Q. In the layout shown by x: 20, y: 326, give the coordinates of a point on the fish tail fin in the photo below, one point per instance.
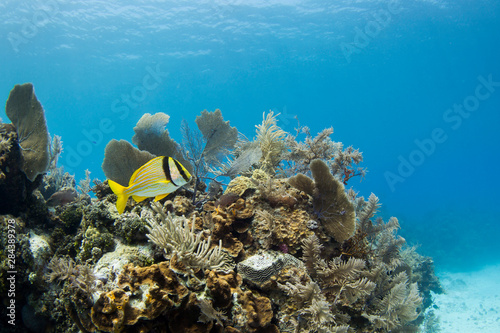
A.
x: 119, y: 190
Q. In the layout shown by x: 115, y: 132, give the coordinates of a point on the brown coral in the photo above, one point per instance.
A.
x: 112, y: 311
x: 291, y: 228
x: 230, y: 224
x: 222, y: 286
x: 187, y: 318
x: 240, y: 185
x: 258, y: 312
x: 278, y: 193
x: 182, y: 206
x: 156, y: 287
x: 281, y: 227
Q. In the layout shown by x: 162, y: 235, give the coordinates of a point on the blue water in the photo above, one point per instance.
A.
x: 385, y: 74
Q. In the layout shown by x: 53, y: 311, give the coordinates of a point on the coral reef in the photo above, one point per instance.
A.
x: 25, y: 154
x: 267, y: 253
x: 13, y: 182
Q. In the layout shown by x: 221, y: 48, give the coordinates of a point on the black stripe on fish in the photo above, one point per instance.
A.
x: 181, y: 170
x: 166, y: 170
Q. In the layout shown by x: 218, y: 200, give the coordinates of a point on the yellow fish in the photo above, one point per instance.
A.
x: 157, y: 178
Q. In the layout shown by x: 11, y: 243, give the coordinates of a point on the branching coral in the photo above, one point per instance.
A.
x: 5, y: 144
x: 391, y: 301
x: 395, y: 305
x: 242, y: 162
x: 311, y: 248
x: 271, y: 141
x: 311, y: 305
x: 84, y: 185
x: 209, y: 313
x: 80, y: 276
x: 263, y: 226
x: 56, y: 148
x: 302, y: 293
x: 175, y: 236
x: 319, y: 147
x: 281, y: 154
x: 6, y: 140
x: 60, y: 269
x: 56, y: 178
x: 318, y: 311
x: 344, y: 279
x: 345, y: 164
x: 385, y: 243
x: 366, y: 213
x: 342, y: 162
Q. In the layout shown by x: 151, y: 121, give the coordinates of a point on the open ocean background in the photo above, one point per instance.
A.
x: 383, y: 73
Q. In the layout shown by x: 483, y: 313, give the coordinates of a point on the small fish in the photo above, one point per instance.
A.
x: 63, y: 197
x: 157, y: 178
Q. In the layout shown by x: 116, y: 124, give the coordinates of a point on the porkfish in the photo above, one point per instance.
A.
x: 157, y: 178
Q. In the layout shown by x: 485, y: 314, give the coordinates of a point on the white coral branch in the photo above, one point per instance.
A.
x: 175, y: 236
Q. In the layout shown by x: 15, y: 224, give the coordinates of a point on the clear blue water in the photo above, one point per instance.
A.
x: 382, y: 73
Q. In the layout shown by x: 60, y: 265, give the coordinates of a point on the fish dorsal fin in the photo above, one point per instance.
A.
x: 161, y: 196
x: 158, y: 159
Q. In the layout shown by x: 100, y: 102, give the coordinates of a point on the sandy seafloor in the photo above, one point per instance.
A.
x: 471, y: 302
